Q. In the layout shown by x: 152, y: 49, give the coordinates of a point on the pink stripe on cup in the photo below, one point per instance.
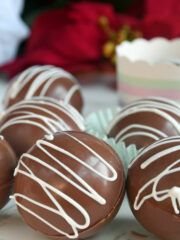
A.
x: 143, y: 92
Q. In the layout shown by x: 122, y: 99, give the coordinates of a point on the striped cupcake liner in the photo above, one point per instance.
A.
x: 148, y: 68
x: 131, y: 88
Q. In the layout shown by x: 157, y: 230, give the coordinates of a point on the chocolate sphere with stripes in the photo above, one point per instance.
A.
x: 46, y: 81
x: 146, y: 121
x: 27, y: 121
x: 7, y: 166
x: 153, y: 188
x: 69, y: 185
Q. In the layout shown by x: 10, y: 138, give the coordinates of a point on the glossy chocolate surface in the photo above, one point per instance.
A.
x: 25, y: 122
x: 69, y: 185
x: 146, y: 121
x: 7, y: 165
x: 46, y: 81
x: 153, y: 188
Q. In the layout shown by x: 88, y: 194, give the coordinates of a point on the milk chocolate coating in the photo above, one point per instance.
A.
x: 7, y: 165
x: 25, y: 122
x: 146, y: 121
x: 153, y: 188
x: 82, y: 176
x: 46, y: 81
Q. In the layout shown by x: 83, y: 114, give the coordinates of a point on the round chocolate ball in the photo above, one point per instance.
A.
x: 46, y: 81
x: 7, y: 166
x: 153, y: 188
x: 26, y: 121
x: 69, y: 185
x: 146, y: 121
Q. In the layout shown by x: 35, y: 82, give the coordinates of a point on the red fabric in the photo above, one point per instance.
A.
x: 162, y: 9
x: 71, y: 37
x: 162, y: 18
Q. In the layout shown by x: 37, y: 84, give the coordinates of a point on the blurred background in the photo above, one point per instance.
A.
x: 80, y: 36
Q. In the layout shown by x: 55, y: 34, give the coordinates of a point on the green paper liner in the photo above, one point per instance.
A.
x: 97, y: 123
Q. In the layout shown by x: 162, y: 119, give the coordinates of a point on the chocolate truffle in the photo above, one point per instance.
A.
x: 69, y: 185
x: 47, y: 81
x: 7, y: 166
x: 153, y: 188
x: 146, y: 121
x: 26, y: 121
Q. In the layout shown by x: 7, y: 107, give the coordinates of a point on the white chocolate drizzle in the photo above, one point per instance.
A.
x: 160, y: 195
x: 44, y: 76
x: 156, y: 100
x: 1, y: 137
x: 80, y: 184
x: 50, y: 121
x: 167, y: 110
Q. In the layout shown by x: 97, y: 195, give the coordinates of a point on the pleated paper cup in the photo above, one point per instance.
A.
x: 97, y: 124
x: 99, y: 121
x: 148, y: 68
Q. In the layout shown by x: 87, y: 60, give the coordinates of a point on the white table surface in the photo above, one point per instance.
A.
x: 121, y: 228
